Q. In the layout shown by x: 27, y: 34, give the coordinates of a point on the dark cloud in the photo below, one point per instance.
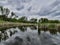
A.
x: 29, y: 9
x: 20, y: 8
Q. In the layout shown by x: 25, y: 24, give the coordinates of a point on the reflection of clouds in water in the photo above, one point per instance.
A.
x: 32, y: 38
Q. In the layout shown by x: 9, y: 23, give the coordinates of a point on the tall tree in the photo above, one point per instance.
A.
x: 7, y: 11
x: 4, y: 11
x: 1, y: 9
x: 23, y: 19
x: 34, y: 20
x: 43, y: 20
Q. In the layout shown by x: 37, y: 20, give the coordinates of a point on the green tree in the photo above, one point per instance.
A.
x: 53, y: 21
x: 12, y: 14
x: 1, y: 9
x: 22, y: 19
x: 6, y: 11
x: 43, y: 20
x: 33, y: 20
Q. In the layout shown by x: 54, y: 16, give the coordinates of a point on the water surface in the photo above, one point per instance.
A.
x: 29, y: 35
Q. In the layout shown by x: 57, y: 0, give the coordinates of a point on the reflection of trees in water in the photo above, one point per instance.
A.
x: 0, y: 35
x: 4, y: 35
x: 11, y: 33
x: 22, y: 28
x: 58, y: 29
x: 39, y: 31
x: 18, y: 41
x: 33, y: 27
x: 52, y: 31
x: 43, y: 28
x: 28, y: 38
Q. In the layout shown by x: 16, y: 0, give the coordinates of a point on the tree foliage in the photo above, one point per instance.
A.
x: 45, y: 20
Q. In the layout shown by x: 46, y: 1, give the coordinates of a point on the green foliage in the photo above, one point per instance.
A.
x: 33, y: 20
x: 1, y: 9
x: 54, y: 21
x: 22, y: 19
x: 5, y: 12
x: 45, y: 20
x: 52, y: 26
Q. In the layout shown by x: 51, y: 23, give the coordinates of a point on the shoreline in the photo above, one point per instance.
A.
x: 43, y: 26
x: 49, y: 26
x: 12, y: 24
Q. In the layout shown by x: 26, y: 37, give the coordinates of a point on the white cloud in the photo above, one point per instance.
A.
x: 33, y: 8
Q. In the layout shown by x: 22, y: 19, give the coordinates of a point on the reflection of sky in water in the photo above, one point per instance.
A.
x: 31, y: 37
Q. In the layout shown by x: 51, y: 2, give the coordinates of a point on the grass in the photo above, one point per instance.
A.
x: 53, y: 28
x: 40, y: 25
x: 5, y: 24
x: 50, y: 26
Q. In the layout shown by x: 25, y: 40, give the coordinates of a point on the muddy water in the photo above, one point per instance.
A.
x: 24, y: 35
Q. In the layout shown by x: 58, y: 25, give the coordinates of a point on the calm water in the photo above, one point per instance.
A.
x: 29, y: 35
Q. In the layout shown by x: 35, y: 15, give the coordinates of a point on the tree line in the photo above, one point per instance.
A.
x: 4, y: 13
x: 45, y: 20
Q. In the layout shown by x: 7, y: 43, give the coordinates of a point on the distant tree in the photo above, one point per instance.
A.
x: 14, y: 20
x: 12, y: 14
x: 1, y: 9
x: 6, y: 11
x: 54, y: 21
x: 43, y: 20
x: 34, y: 20
x: 22, y: 19
x: 4, y: 14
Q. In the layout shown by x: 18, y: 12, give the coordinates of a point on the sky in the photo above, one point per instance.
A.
x: 34, y: 8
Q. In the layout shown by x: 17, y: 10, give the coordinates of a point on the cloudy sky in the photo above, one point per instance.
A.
x: 34, y: 8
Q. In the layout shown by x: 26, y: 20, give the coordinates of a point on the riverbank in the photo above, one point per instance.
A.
x: 41, y: 26
x: 49, y: 26
x: 13, y: 24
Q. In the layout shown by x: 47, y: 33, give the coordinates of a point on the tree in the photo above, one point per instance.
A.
x: 33, y: 20
x: 22, y: 19
x: 1, y: 9
x: 53, y: 21
x: 4, y: 14
x: 12, y: 14
x: 6, y: 11
x: 43, y: 20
